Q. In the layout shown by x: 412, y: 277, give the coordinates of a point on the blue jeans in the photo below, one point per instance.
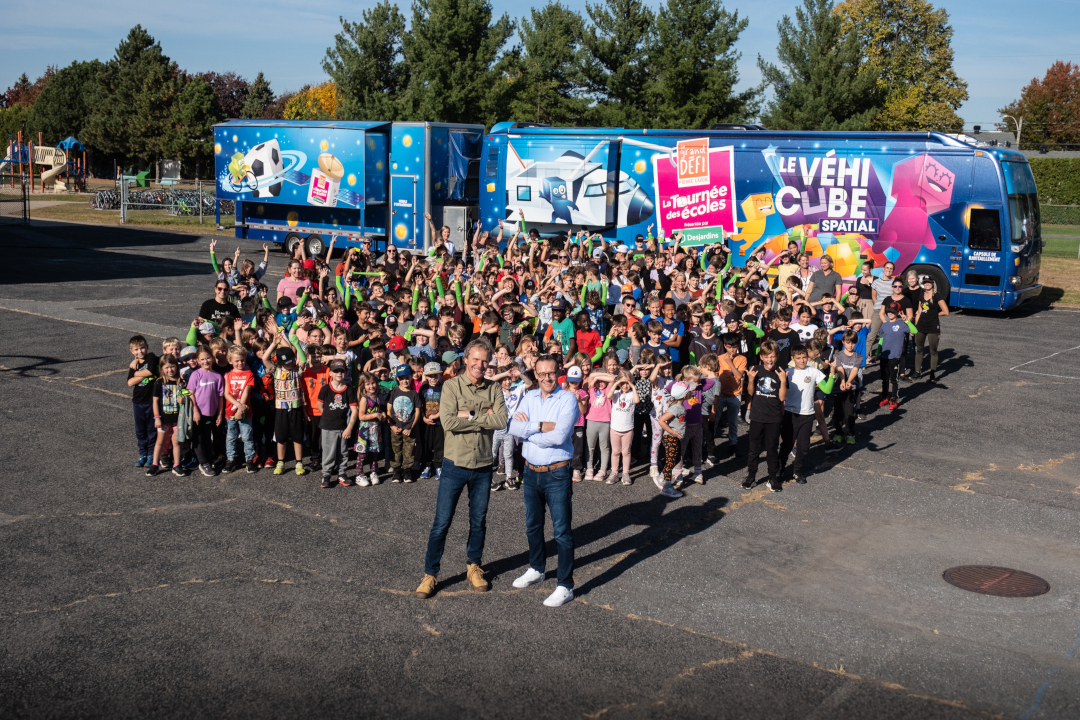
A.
x: 455, y: 479
x: 145, y: 434
x: 732, y: 405
x: 554, y: 490
x: 245, y: 430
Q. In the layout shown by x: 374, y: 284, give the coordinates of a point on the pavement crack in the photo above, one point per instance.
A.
x: 138, y: 591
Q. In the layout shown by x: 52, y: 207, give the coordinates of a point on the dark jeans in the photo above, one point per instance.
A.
x: 890, y: 374
x: 795, y: 431
x: 431, y: 439
x: 452, y: 482
x: 145, y: 433
x: 551, y: 489
x: 844, y: 411
x: 639, y: 449
x: 763, y: 436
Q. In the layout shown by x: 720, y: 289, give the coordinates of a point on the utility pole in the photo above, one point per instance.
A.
x: 1019, y: 124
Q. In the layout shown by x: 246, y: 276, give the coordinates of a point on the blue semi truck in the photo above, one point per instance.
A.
x: 967, y: 216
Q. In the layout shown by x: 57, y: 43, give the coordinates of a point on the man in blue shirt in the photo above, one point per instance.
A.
x: 545, y: 423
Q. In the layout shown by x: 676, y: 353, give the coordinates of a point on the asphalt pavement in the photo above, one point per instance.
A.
x: 261, y: 596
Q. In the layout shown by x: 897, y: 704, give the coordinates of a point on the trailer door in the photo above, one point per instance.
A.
x: 403, y: 210
x: 984, y: 260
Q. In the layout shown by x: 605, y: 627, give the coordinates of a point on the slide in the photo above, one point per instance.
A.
x: 14, y: 155
x: 55, y: 157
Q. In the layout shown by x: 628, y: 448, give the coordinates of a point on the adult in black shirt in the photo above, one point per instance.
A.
x: 928, y: 309
x: 218, y: 309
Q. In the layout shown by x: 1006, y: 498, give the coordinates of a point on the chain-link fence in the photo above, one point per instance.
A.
x: 188, y: 202
x: 1059, y: 214
x: 15, y: 204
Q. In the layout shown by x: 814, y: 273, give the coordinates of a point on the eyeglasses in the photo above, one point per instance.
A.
x: 547, y: 375
x: 899, y: 286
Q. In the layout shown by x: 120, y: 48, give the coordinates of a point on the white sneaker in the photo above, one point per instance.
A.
x: 375, y: 478
x: 531, y: 577
x: 707, y: 464
x: 699, y: 479
x: 654, y: 471
x: 361, y: 480
x: 561, y: 596
x: 658, y: 480
x: 685, y: 471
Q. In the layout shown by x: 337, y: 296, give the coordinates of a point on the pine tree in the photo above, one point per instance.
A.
x: 367, y: 64
x: 134, y: 100
x: 823, y: 84
x: 259, y: 98
x: 545, y: 87
x: 190, y: 131
x: 693, y: 67
x: 455, y: 59
x: 615, y: 64
x: 908, y: 43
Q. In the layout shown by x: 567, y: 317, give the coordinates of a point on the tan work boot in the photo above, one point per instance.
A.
x: 427, y: 587
x: 476, y: 577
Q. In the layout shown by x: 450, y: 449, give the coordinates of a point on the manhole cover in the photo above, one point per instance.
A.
x: 999, y: 581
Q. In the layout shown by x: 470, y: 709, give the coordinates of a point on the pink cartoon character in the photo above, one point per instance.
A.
x: 922, y: 187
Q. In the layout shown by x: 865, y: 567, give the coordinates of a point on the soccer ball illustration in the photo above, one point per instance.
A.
x: 265, y: 162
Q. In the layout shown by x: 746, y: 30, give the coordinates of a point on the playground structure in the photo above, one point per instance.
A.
x: 56, y: 161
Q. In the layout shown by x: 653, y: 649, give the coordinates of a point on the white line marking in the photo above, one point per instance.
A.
x: 1045, y: 358
x: 1067, y: 377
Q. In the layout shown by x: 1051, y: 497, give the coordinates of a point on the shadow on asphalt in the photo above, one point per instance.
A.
x: 81, y: 253
x: 660, y: 530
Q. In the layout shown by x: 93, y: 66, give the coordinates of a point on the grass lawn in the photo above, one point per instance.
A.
x: 1061, y: 247
x: 1061, y: 281
x: 82, y: 212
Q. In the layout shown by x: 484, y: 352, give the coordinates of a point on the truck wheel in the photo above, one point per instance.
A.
x: 315, y: 245
x: 292, y: 240
x: 944, y: 287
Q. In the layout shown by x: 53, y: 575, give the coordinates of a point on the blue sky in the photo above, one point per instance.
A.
x: 999, y: 46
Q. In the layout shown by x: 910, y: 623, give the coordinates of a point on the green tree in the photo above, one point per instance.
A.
x: 693, y: 67
x: 455, y: 58
x: 63, y: 108
x: 367, y: 63
x: 908, y: 43
x: 190, y: 130
x: 615, y: 64
x: 13, y: 120
x: 1049, y: 108
x: 824, y: 85
x: 545, y: 83
x: 133, y: 103
x: 260, y: 97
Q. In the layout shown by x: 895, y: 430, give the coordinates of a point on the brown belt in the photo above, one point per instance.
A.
x: 547, y: 468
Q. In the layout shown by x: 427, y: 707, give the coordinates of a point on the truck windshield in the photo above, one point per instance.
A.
x: 1024, y: 218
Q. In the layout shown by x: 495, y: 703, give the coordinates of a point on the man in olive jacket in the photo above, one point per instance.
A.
x: 471, y: 409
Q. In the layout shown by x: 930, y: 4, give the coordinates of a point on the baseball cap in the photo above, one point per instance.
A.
x: 189, y: 351
x: 639, y: 238
x: 449, y: 357
x: 390, y: 320
x: 309, y: 264
x: 598, y: 253
x: 433, y: 368
x: 622, y: 355
x: 207, y: 328
x: 559, y: 304
x: 395, y: 343
x: 573, y: 374
x: 678, y: 390
x: 622, y: 249
x: 731, y: 318
x: 530, y: 284
x: 284, y: 356
x: 403, y: 370
x: 338, y: 366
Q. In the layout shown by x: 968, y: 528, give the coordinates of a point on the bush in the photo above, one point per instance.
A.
x: 1058, y: 180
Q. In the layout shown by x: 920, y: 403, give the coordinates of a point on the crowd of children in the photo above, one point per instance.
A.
x: 667, y: 349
